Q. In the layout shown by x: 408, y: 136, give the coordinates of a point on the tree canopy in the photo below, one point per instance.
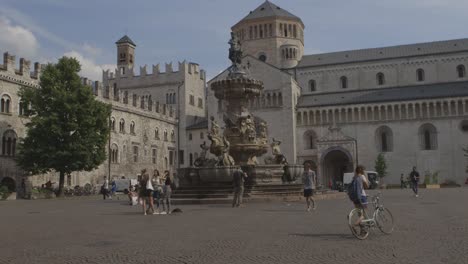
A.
x: 68, y: 128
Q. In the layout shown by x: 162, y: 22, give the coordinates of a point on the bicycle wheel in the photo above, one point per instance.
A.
x: 384, y: 220
x: 354, y: 218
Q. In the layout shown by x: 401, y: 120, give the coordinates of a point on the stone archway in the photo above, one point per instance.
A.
x: 335, y: 162
x: 9, y: 183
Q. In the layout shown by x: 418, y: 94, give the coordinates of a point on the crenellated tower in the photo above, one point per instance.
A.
x: 272, y: 35
x: 125, y: 54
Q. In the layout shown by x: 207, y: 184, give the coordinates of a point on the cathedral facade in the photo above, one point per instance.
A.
x: 340, y: 109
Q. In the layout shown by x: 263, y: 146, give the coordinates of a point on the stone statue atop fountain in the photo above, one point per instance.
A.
x: 202, y: 161
x: 278, y: 157
x: 235, y: 55
x: 225, y: 159
x: 217, y: 144
x: 263, y: 133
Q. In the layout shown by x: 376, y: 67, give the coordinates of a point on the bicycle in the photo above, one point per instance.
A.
x: 382, y: 218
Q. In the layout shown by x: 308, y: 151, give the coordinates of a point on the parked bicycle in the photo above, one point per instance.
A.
x: 360, y: 223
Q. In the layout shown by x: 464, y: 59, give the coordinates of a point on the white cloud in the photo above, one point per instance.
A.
x: 17, y: 40
x: 91, y: 49
x: 89, y: 68
x: 33, y: 26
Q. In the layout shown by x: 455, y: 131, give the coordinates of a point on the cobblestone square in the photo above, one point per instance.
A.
x: 430, y: 229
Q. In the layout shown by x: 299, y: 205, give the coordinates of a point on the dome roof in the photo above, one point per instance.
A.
x: 268, y: 9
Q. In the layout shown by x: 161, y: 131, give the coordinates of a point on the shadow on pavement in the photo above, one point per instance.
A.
x: 326, y: 236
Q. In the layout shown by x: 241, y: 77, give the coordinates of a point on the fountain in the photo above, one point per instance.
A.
x: 244, y: 138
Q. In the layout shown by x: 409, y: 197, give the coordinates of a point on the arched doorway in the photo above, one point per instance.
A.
x: 9, y: 183
x: 335, y: 162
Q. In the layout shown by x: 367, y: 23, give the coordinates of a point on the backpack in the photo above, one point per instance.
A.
x: 352, y: 190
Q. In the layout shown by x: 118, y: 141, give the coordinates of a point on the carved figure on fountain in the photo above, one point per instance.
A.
x: 202, y: 161
x: 235, y: 55
x: 217, y: 144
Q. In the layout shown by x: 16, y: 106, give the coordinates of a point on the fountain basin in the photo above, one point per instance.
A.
x: 216, y: 174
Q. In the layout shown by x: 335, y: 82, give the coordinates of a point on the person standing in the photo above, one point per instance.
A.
x: 414, y: 177
x: 238, y: 179
x: 167, y: 193
x: 309, y: 179
x: 359, y: 184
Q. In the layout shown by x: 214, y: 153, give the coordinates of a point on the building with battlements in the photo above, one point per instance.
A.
x: 148, y: 112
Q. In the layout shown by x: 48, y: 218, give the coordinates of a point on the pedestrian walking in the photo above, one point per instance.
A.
x: 158, y: 190
x: 238, y: 179
x: 166, y: 203
x: 309, y: 179
x: 357, y: 194
x: 105, y: 189
x: 414, y: 177
x: 113, y: 188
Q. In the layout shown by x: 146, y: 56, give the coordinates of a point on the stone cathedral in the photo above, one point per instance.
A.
x: 339, y: 109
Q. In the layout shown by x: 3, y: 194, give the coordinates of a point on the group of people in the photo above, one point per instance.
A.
x: 150, y: 190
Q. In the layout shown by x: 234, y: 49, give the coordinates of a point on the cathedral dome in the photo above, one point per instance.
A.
x: 269, y: 10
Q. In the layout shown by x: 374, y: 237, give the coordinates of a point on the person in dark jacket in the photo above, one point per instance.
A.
x: 238, y: 179
x: 414, y: 177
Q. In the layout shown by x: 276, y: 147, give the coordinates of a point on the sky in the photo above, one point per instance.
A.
x: 198, y: 30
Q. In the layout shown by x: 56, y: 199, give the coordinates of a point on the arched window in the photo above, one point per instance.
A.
x: 22, y: 108
x: 172, y: 136
x: 384, y: 139
x: 380, y: 78
x: 125, y: 99
x: 428, y: 137
x: 190, y: 136
x: 150, y: 103
x: 5, y: 104
x: 9, y: 143
x: 156, y: 133
x: 310, y: 140
x: 461, y: 71
x: 135, y: 153
x: 132, y: 127
x: 122, y: 126
x: 165, y: 135
x: 420, y: 75
x: 134, y: 100
x: 112, y: 124
x: 312, y: 86
x: 344, y: 82
x: 191, y: 159
x: 114, y: 153
x: 142, y: 102
x: 115, y: 92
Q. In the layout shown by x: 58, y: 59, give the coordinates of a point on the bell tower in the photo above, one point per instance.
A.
x: 273, y: 35
x: 125, y: 54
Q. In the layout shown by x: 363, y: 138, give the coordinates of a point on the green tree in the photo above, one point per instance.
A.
x: 381, y: 165
x: 68, y: 129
